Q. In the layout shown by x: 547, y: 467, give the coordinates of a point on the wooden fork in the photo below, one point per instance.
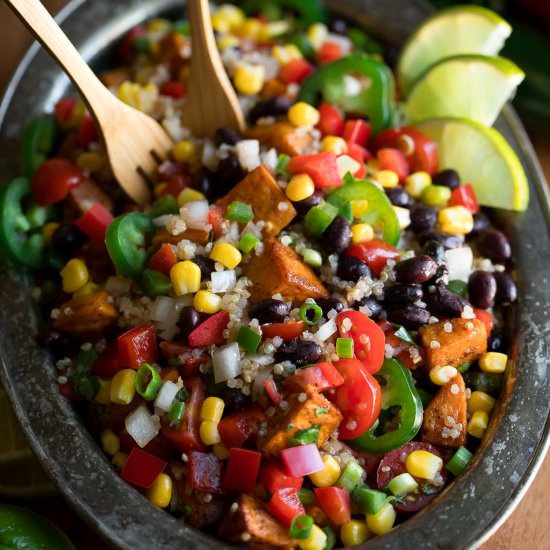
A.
x: 135, y: 143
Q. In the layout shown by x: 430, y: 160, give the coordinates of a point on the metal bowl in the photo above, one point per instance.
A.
x: 464, y: 515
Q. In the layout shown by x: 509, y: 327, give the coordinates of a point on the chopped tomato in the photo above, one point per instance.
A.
x: 53, y: 180
x: 210, y: 332
x: 137, y: 346
x: 335, y: 502
x: 286, y: 331
x: 465, y: 195
x: 237, y: 427
x: 94, y: 222
x: 394, y: 160
x: 321, y: 167
x: 285, y: 505
x: 86, y: 132
x: 173, y: 89
x: 375, y: 253
x: 331, y: 122
x: 107, y: 364
x: 275, y: 477
x: 64, y: 110
x: 295, y: 71
x: 322, y: 376
x: 163, y: 259
x: 329, y: 51
x: 357, y: 131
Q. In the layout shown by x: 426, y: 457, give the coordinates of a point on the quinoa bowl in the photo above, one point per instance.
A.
x: 122, y: 516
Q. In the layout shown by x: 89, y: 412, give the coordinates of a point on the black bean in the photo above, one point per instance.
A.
x: 497, y: 342
x: 411, y: 317
x: 375, y: 307
x: 337, y: 236
x: 448, y: 178
x: 303, y: 206
x: 234, y: 399
x: 326, y: 304
x: 444, y: 303
x: 351, y: 269
x: 415, y: 270
x: 274, y: 106
x: 269, y: 311
x: 391, y: 54
x: 229, y: 172
x: 203, y: 181
x: 423, y: 218
x: 190, y: 319
x: 207, y: 266
x: 299, y: 352
x: 482, y: 289
x: 481, y: 223
x: 228, y: 135
x: 338, y: 26
x: 494, y: 245
x: 67, y: 238
x: 402, y: 294
x: 399, y: 197
x: 446, y: 241
x: 488, y: 382
x: 434, y: 250
x: 507, y: 291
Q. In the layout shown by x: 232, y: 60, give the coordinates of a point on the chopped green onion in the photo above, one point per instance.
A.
x: 182, y: 395
x: 306, y: 437
x: 141, y: 44
x: 86, y: 385
x: 319, y: 218
x: 464, y: 366
x: 331, y: 538
x: 300, y: 528
x: 154, y: 283
x: 176, y: 412
x: 311, y: 313
x: 248, y: 339
x: 351, y: 476
x: 239, y: 211
x: 37, y: 216
x: 282, y: 165
x: 402, y: 484
x: 165, y: 205
x: 404, y: 335
x: 85, y: 360
x: 248, y: 242
x: 489, y: 382
x: 367, y: 500
x: 306, y: 497
x: 312, y: 257
x: 302, y: 42
x: 458, y: 287
x: 181, y: 27
x: 148, y: 382
x: 346, y: 212
x: 459, y: 461
x: 344, y: 348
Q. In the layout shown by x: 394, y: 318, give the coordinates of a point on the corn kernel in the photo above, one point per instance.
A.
x: 103, y: 396
x: 185, y: 277
x: 249, y: 28
x: 442, y: 375
x: 90, y: 162
x: 403, y: 216
x: 189, y: 195
x: 220, y: 23
x: 359, y: 207
x: 119, y: 460
x: 372, y: 167
x: 423, y: 464
x: 300, y: 187
x: 205, y: 301
x: 480, y: 401
x: 110, y: 442
x: 86, y: 290
x: 493, y: 361
x: 226, y: 41
x: 226, y: 254
x: 317, y: 34
x: 416, y: 182
x: 129, y: 92
x: 159, y: 189
x: 160, y: 492
x: 303, y: 114
x: 284, y: 54
x: 382, y: 522
x: 345, y: 164
x: 387, y: 178
x: 48, y: 230
x: 478, y: 424
x: 184, y: 151
x: 158, y: 25
x: 317, y: 540
x: 361, y: 233
x: 328, y: 475
x: 334, y: 144
x: 249, y: 79
x: 436, y: 195
x: 212, y: 409
x: 272, y: 29
x: 208, y: 432
x: 232, y: 15
x: 354, y: 532
x: 455, y: 220
x: 74, y: 275
x: 123, y: 387
x: 220, y: 450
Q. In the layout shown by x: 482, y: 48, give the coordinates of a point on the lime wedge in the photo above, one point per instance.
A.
x: 483, y: 158
x: 454, y: 31
x: 470, y: 86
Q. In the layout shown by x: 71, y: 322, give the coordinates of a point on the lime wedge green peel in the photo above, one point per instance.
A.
x: 454, y: 31
x: 483, y: 158
x: 470, y: 86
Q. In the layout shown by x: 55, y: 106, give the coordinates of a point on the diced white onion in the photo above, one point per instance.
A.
x: 223, y: 281
x: 248, y: 153
x: 459, y: 263
x: 118, y: 286
x: 165, y: 310
x: 270, y: 158
x: 209, y: 155
x: 346, y: 164
x: 343, y: 41
x: 326, y: 330
x: 263, y: 360
x: 195, y: 214
x: 226, y: 363
x: 142, y: 426
x: 258, y: 384
x: 166, y: 395
x: 403, y: 216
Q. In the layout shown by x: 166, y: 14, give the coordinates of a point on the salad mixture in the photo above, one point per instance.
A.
x: 300, y: 342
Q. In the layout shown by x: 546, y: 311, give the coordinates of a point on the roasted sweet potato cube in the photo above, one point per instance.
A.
x: 279, y: 270
x: 283, y: 136
x: 445, y: 416
x: 454, y: 341
x: 269, y: 203
x: 301, y: 414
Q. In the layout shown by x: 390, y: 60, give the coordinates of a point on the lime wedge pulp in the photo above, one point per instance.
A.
x: 483, y: 158
x: 470, y: 86
x: 454, y: 31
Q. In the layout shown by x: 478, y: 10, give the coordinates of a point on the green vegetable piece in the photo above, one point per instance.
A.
x: 308, y: 11
x: 458, y: 287
x: 37, y: 216
x: 311, y: 313
x: 464, y: 367
x: 181, y: 27
x: 248, y: 339
x: 282, y: 165
x: 239, y: 211
x: 312, y: 257
x: 425, y: 396
x: 301, y: 526
x: 344, y: 348
x: 351, y: 476
x: 305, y: 437
x: 306, y: 497
x: 154, y: 283
x: 362, y: 41
x: 304, y: 45
x: 38, y: 141
x: 319, y: 218
x: 346, y: 212
x: 86, y: 385
x: 176, y: 412
x: 459, y: 461
x: 367, y: 500
x: 141, y: 44
x: 331, y: 537
x: 487, y: 382
x: 402, y: 484
x: 248, y: 242
x: 85, y: 360
x: 436, y: 195
x: 148, y: 382
x: 168, y: 204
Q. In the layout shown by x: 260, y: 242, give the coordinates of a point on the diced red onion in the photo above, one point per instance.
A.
x: 302, y: 460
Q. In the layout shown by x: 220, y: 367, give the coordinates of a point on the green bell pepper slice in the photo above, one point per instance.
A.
x: 375, y: 102
x: 38, y: 141
x: 308, y: 11
x: 380, y: 210
x: 398, y: 391
x: 21, y: 244
x: 125, y: 241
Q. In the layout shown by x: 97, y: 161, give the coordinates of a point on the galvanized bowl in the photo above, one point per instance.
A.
x: 463, y: 516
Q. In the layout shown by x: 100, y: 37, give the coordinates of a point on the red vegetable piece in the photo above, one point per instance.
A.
x: 210, y: 332
x: 176, y: 183
x: 158, y: 446
x: 465, y: 195
x: 375, y: 253
x: 295, y: 71
x: 141, y: 468
x: 360, y: 155
x: 107, y: 364
x: 321, y: 167
x: 67, y: 390
x: 205, y: 472
x: 53, y: 180
x: 274, y: 477
x: 395, y: 160
x: 335, y: 502
x: 64, y: 110
x: 86, y: 132
x: 322, y: 376
x: 286, y: 331
x: 302, y: 460
x: 137, y: 346
x: 215, y: 219
x: 393, y: 464
x: 173, y: 89
x: 486, y: 318
x: 94, y: 222
x: 237, y: 427
x: 331, y: 122
x: 272, y: 391
x: 285, y: 505
x: 242, y: 470
x: 329, y: 51
x: 357, y: 131
x: 125, y: 48
x: 163, y: 259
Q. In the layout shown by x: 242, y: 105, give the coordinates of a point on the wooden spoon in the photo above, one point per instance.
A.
x: 210, y: 100
x: 135, y: 143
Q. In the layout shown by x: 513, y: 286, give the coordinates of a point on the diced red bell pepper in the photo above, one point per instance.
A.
x: 295, y: 71
x: 94, y: 222
x: 303, y: 460
x: 285, y: 505
x: 210, y: 332
x: 137, y: 346
x: 86, y: 132
x: 125, y: 48
x: 274, y: 477
x: 53, y: 180
x: 360, y: 155
x: 173, y: 89
x: 163, y: 259
x: 185, y: 437
x: 67, y: 390
x: 215, y: 219
x: 286, y: 331
x: 64, y: 110
x: 375, y: 253
x: 486, y: 318
x: 237, y: 427
x: 357, y: 131
x: 321, y: 167
x: 395, y: 160
x: 335, y: 502
x: 322, y: 376
x: 328, y: 52
x: 205, y: 472
x: 107, y: 364
x: 242, y: 470
x: 465, y: 195
x: 141, y: 468
x: 176, y: 183
x: 272, y: 391
x: 331, y: 122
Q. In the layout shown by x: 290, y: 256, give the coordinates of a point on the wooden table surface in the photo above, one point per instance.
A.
x: 527, y: 527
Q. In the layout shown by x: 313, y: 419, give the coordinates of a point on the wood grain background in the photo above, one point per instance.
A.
x: 528, y: 527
